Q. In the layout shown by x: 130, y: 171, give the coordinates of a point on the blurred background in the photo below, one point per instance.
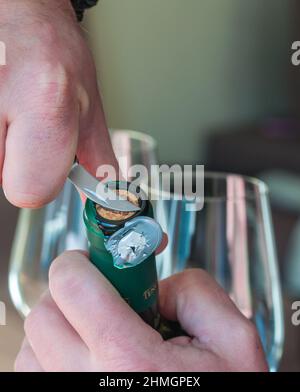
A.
x: 212, y: 81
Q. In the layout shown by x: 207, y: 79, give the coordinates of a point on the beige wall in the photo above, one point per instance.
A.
x: 177, y: 68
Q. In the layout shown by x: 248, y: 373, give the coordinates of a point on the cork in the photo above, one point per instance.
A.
x: 118, y: 215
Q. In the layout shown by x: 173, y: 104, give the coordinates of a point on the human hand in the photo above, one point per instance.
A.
x: 82, y: 324
x: 50, y: 108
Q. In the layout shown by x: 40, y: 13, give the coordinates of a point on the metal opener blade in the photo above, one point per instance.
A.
x: 97, y: 191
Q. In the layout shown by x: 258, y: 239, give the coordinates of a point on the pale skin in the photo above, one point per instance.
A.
x: 50, y: 111
x: 82, y: 324
x: 50, y: 106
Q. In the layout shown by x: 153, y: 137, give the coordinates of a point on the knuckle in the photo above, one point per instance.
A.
x: 53, y: 86
x: 53, y: 106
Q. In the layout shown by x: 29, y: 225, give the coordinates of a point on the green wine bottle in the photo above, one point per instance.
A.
x: 122, y: 246
x: 137, y: 284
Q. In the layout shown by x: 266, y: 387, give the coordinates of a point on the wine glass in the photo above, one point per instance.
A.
x: 231, y: 237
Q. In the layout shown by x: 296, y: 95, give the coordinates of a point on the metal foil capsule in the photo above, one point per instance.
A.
x: 135, y: 242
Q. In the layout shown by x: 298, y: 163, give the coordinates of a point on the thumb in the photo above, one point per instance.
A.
x: 40, y: 149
